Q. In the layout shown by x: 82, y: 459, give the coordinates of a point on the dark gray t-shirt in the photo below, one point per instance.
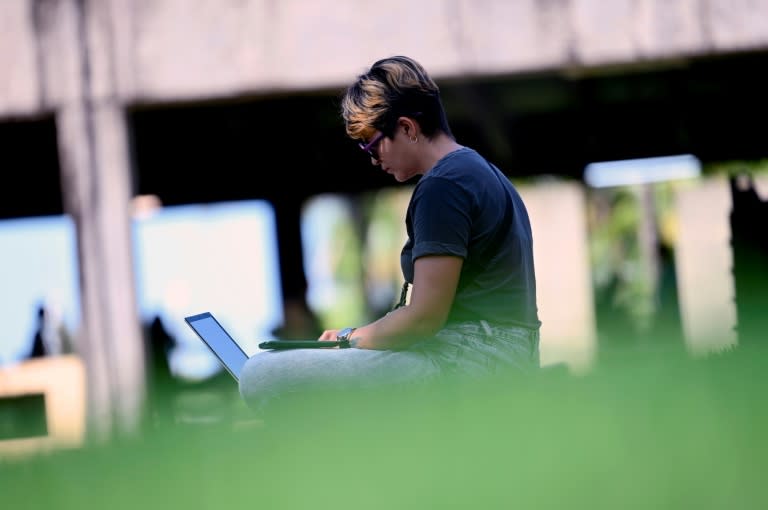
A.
x: 457, y: 208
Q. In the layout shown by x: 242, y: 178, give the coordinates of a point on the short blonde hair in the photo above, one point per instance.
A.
x: 393, y: 87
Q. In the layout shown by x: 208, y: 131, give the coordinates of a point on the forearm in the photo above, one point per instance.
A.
x: 396, y: 330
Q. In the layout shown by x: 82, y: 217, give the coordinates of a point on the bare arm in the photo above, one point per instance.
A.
x: 435, y: 279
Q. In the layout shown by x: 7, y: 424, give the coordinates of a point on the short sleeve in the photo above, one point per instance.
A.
x: 441, y: 215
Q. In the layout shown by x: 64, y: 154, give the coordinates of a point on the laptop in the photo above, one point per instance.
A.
x: 229, y: 352
x: 221, y: 344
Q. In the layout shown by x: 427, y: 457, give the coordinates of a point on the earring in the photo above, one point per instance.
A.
x: 414, y: 139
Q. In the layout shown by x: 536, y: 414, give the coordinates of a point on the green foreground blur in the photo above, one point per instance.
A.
x: 650, y: 430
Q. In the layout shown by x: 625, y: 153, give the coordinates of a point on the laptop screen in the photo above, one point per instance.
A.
x: 218, y: 340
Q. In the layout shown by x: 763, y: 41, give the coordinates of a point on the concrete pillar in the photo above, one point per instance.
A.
x: 96, y: 170
x: 563, y: 284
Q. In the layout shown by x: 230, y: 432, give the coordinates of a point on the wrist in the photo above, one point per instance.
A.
x: 345, y: 337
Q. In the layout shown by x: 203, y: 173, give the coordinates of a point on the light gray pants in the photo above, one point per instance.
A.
x: 465, y: 349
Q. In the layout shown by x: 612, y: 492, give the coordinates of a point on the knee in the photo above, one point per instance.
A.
x: 256, y: 380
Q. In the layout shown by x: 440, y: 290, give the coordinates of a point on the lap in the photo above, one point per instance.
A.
x: 270, y: 373
x: 463, y: 349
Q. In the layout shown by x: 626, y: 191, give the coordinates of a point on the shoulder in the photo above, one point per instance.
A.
x: 458, y: 162
x: 449, y: 188
x: 464, y: 169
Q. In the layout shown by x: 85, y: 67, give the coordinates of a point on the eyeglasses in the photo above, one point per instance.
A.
x: 372, y: 147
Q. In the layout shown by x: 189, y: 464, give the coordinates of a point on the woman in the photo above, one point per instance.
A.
x: 468, y: 259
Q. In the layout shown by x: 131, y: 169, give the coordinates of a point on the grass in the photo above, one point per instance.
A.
x: 651, y: 430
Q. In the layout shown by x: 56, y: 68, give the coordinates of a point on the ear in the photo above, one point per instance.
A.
x: 409, y: 126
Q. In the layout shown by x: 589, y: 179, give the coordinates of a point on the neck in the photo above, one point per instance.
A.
x: 437, y: 149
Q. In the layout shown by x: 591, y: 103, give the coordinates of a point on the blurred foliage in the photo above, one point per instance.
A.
x: 627, y: 277
x: 651, y: 429
x: 385, y: 236
x: 364, y: 265
x: 622, y: 274
x: 335, y: 263
x: 731, y: 168
x: 347, y: 272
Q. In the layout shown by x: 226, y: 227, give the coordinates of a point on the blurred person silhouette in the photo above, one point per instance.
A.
x: 174, y: 399
x: 160, y: 380
x: 50, y: 337
x: 749, y: 245
x: 160, y: 345
x: 39, y: 347
x: 468, y: 304
x: 300, y: 321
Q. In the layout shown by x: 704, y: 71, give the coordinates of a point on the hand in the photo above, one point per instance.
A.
x: 329, y: 335
x: 333, y: 335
